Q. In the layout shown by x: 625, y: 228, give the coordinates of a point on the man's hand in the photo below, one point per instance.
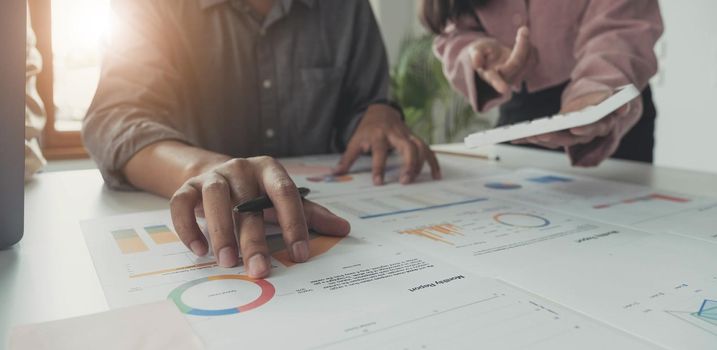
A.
x: 589, y: 145
x: 221, y: 187
x: 381, y: 130
x: 498, y: 65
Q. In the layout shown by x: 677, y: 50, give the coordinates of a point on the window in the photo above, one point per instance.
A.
x: 71, y: 35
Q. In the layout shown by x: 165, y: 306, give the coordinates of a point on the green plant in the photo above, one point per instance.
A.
x: 433, y: 110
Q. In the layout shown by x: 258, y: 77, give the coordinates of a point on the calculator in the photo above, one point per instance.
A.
x: 558, y: 122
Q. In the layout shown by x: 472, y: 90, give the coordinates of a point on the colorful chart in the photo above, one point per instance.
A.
x: 317, y: 245
x: 197, y: 266
x: 330, y: 178
x: 503, y: 186
x: 298, y: 169
x: 708, y: 310
x: 428, y: 207
x: 549, y: 179
x: 521, y: 220
x: 128, y: 241
x: 437, y: 233
x: 648, y: 198
x: 161, y: 234
x: 704, y: 319
x: 267, y: 293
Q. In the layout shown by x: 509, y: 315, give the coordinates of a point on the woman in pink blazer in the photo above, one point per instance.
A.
x: 538, y: 58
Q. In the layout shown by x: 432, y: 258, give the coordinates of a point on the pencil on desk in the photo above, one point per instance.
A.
x: 460, y: 154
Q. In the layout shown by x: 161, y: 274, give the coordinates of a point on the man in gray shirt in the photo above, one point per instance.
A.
x: 192, y: 91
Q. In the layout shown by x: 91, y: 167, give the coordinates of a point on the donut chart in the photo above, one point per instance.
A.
x: 266, y: 294
x: 521, y: 220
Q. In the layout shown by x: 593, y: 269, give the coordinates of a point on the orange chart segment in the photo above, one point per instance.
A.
x: 299, y: 169
x: 438, y: 233
x: 177, y: 269
x: 128, y: 241
x: 317, y: 246
x: 648, y: 198
x: 161, y: 234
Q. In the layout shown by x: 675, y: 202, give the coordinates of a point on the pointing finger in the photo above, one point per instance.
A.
x: 496, y: 81
x: 519, y: 56
x: 353, y: 151
x: 379, y: 152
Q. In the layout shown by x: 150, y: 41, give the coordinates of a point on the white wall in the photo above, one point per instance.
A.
x: 686, y: 87
x: 397, y: 19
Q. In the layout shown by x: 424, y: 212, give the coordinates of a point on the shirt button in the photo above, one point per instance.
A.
x: 262, y: 32
x: 266, y: 84
x: 269, y: 133
x: 518, y: 19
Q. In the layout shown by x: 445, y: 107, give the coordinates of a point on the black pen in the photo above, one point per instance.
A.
x: 263, y: 202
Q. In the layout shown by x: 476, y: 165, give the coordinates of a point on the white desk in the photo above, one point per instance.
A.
x: 50, y: 275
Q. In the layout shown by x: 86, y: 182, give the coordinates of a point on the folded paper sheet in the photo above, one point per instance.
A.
x: 148, y: 326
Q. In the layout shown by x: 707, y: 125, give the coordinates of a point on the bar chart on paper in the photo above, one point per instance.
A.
x: 161, y: 234
x: 613, y: 202
x: 653, y: 197
x: 128, y: 241
x: 461, y: 225
x: 438, y: 232
x: 476, y: 231
x: 165, y: 255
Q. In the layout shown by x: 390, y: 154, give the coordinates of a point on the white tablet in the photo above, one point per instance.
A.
x: 557, y: 122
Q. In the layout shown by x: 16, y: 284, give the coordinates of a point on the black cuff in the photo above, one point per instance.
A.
x: 484, y: 91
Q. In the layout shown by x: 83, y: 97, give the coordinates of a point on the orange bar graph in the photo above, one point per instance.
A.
x: 128, y: 241
x: 161, y: 234
x: 176, y: 269
x: 437, y: 233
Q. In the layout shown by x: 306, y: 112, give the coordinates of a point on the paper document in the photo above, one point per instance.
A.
x: 528, y: 259
x: 356, y: 292
x: 634, y: 280
x: 315, y: 172
x: 557, y: 122
x: 153, y: 326
x: 641, y: 207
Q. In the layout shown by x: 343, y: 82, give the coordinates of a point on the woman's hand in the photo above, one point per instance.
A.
x: 589, y: 145
x: 498, y: 65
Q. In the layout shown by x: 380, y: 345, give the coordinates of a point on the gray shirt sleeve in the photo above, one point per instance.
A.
x: 207, y: 74
x: 136, y: 94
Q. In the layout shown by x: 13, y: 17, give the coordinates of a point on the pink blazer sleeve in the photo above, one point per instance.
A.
x: 615, y: 46
x: 452, y: 49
